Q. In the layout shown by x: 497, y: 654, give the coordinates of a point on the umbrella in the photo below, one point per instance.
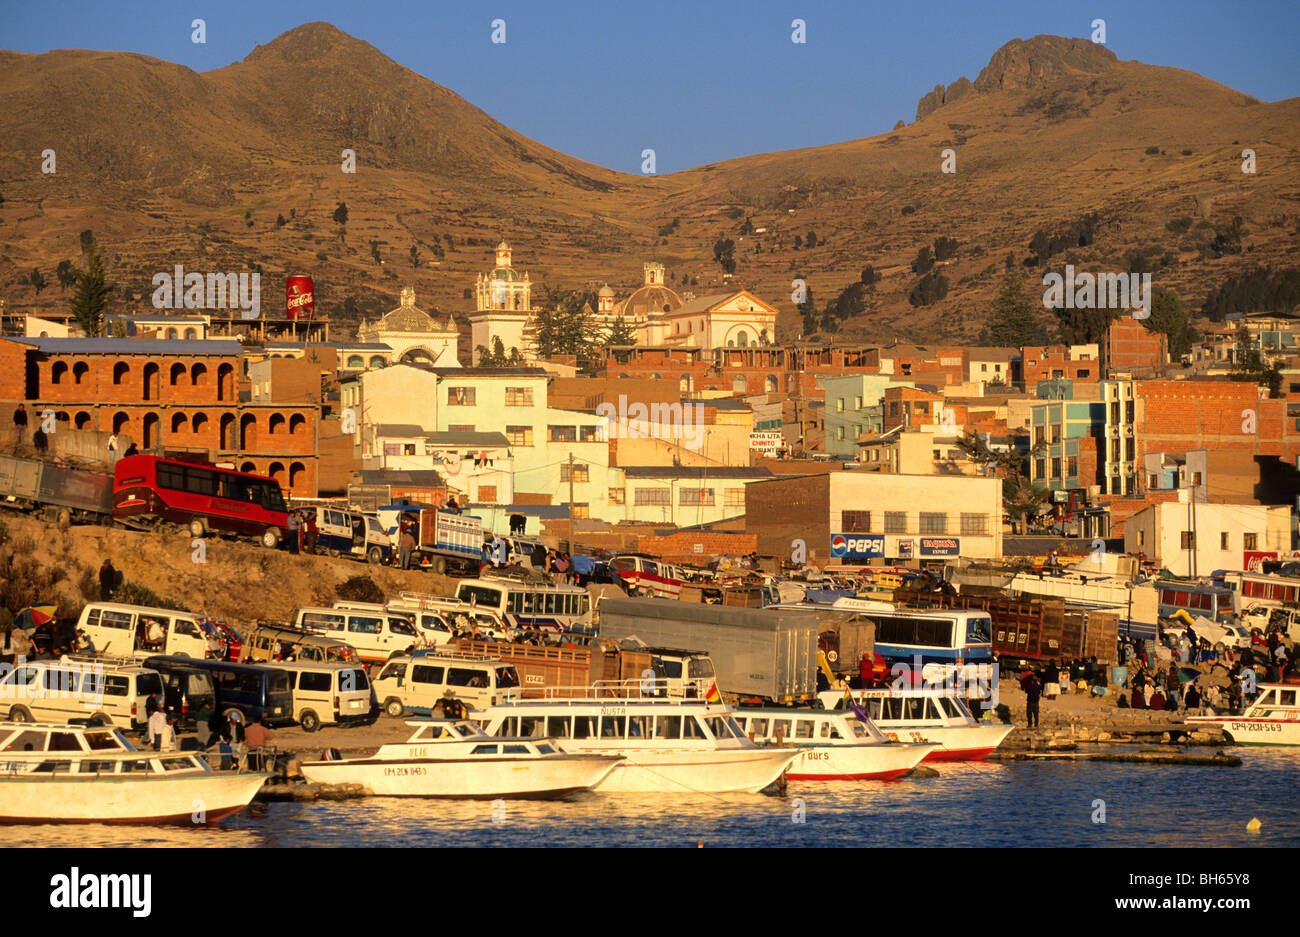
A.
x: 1187, y: 674
x: 32, y: 617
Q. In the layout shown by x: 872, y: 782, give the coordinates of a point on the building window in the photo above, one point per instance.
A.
x: 562, y: 433
x: 1196, y: 479
x: 1188, y: 540
x: 616, y: 496
x: 839, y: 405
x: 587, y: 434
x: 934, y: 523
x: 1040, y: 468
x: 895, y: 522
x: 408, y: 448
x: 574, y: 472
x: 696, y: 497
x: 855, y: 522
x: 1056, y: 468
x: 487, y: 494
x: 461, y: 428
x: 461, y: 397
x: 839, y: 432
x: 1084, y: 373
x: 1223, y: 540
x: 857, y: 403
x: 733, y: 497
x: 520, y: 435
x: 1056, y: 432
x: 1250, y: 541
x: 651, y: 496
x: 519, y: 396
x: 1142, y: 538
x: 579, y: 511
x: 1072, y: 466
x: 975, y: 525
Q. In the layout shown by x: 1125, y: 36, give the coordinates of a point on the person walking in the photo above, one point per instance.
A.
x: 1033, y: 690
x: 112, y: 449
x: 157, y: 733
x: 107, y: 580
x: 20, y: 424
x: 406, y: 544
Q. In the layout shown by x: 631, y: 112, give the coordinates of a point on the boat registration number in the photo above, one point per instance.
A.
x: 403, y: 772
x: 1258, y: 726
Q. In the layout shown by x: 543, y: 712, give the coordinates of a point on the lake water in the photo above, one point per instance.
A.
x: 1037, y: 803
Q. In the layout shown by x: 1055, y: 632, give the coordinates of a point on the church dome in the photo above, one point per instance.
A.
x: 508, y: 274
x: 605, y: 290
x: 650, y: 300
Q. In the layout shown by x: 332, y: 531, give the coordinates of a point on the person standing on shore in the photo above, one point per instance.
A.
x: 20, y: 424
x: 1033, y: 690
x: 107, y: 580
x: 405, y: 545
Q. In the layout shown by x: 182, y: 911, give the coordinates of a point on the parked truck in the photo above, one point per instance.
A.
x: 760, y: 653
x: 62, y: 494
x: 445, y: 540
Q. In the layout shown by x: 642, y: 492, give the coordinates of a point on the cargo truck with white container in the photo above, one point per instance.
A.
x: 445, y: 540
x: 770, y: 655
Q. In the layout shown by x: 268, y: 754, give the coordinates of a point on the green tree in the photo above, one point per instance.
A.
x: 929, y: 289
x: 620, y: 332
x: 747, y: 228
x: 341, y: 214
x: 279, y: 221
x: 811, y: 240
x: 564, y: 326
x: 1013, y: 321
x: 945, y: 248
x: 724, y: 250
x: 87, y: 239
x: 1169, y: 317
x: 65, y: 274
x: 374, y: 252
x: 415, y: 255
x: 869, y: 276
x: 923, y: 262
x: 1022, y: 499
x: 850, y: 304
x: 37, y: 280
x: 90, y: 299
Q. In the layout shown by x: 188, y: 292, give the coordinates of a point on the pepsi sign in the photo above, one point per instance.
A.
x: 857, y: 546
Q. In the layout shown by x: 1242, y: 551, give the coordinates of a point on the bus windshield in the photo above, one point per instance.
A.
x: 979, y: 629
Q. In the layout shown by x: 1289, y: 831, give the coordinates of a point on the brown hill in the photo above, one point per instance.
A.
x: 171, y: 166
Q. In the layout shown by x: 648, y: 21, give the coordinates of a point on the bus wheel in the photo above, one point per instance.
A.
x: 198, y: 527
x: 439, y: 565
x: 334, y: 554
x: 270, y: 538
x: 19, y: 714
x: 309, y: 721
x: 394, y: 707
x: 374, y: 556
x: 65, y: 518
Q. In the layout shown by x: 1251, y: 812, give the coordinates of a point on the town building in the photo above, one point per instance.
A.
x: 413, y: 336
x: 1194, y: 539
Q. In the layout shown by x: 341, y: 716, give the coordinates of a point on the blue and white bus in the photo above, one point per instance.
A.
x: 942, y: 642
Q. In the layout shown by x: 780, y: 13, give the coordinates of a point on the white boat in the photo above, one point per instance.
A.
x: 51, y: 773
x: 669, y: 745
x: 1273, y: 719
x: 832, y: 746
x: 918, y: 714
x: 454, y: 758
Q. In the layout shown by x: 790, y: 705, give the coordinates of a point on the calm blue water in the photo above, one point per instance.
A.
x: 1041, y: 803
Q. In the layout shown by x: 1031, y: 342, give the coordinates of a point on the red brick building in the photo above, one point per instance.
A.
x: 1056, y: 362
x: 1132, y: 348
x: 164, y: 394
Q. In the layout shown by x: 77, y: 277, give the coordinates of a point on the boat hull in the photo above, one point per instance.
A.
x: 957, y: 743
x: 704, y: 772
x: 470, y: 779
x: 856, y: 762
x: 1248, y: 731
x: 197, y: 799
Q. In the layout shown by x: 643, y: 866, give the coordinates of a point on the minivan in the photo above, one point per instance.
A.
x: 350, y: 533
x: 416, y: 683
x: 185, y: 689
x: 123, y: 631
x: 248, y: 689
x: 324, y: 694
x: 275, y: 643
x: 77, y: 688
x: 375, y: 634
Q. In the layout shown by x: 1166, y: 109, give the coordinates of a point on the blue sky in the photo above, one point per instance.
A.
x: 698, y: 81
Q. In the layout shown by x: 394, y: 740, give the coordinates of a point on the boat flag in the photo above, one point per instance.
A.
x: 857, y: 709
x: 713, y: 696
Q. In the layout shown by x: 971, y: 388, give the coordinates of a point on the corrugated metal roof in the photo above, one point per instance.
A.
x: 485, y: 440
x: 399, y: 429
x: 134, y: 346
x: 423, y: 477
x: 696, y: 471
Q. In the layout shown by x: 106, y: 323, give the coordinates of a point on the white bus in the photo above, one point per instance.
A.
x: 530, y: 606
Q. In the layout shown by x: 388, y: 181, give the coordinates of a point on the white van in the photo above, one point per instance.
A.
x: 416, y: 684
x: 375, y: 634
x: 442, y: 615
x: 140, y: 631
x: 325, y: 694
x: 79, y: 688
x: 432, y: 628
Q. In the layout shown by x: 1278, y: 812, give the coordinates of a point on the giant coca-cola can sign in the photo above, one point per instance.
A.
x: 299, y: 299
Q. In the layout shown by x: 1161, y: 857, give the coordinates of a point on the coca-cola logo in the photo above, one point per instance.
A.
x: 300, y: 300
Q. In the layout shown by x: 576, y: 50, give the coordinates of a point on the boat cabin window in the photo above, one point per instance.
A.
x: 544, y: 749
x: 585, y: 727
x: 893, y: 708
x: 467, y: 730
x: 557, y: 727
x: 514, y: 749
x: 54, y: 766
x: 691, y: 728
x: 803, y: 729
x: 64, y: 742
x: 27, y: 741
x: 914, y: 707
x: 860, y: 729
x: 827, y: 730
x: 758, y: 727
x: 177, y: 764
x: 640, y: 727
x: 781, y: 728
x: 668, y: 727
x: 724, y: 727
x: 139, y: 766
x: 529, y: 727
x: 932, y: 709
x: 486, y: 750
x: 699, y: 668
x: 89, y: 766
x: 101, y: 740
x: 1287, y: 697
x: 613, y: 727
x: 672, y: 669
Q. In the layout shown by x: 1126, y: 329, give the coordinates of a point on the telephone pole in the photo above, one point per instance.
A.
x: 571, y: 525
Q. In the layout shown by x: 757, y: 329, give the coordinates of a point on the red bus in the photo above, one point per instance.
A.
x: 200, y: 497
